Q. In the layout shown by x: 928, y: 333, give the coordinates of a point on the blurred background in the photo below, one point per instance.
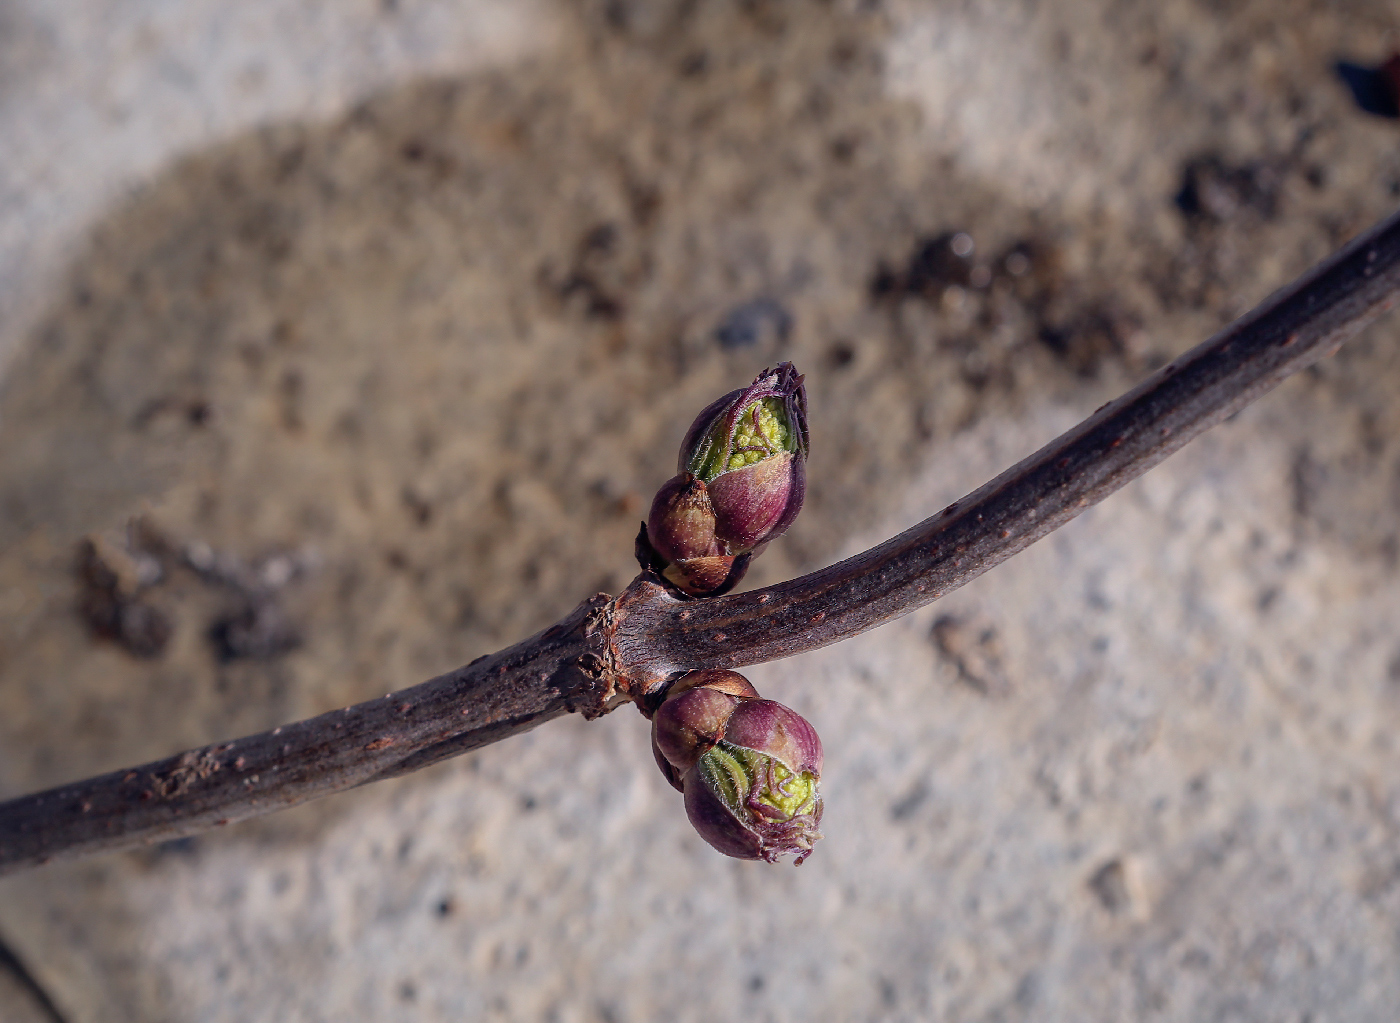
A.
x: 341, y: 343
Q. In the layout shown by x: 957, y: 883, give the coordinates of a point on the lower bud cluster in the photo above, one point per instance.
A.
x: 749, y: 768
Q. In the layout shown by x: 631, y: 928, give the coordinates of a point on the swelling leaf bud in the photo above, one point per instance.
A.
x: 758, y: 803
x: 693, y: 717
x: 742, y: 480
x: 749, y: 768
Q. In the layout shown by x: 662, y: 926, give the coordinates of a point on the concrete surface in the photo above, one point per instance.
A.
x: 354, y: 374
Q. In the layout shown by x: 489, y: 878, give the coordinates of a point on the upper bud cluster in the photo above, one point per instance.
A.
x: 749, y: 767
x: 741, y: 483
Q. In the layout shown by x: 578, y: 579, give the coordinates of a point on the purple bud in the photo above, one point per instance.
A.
x: 749, y: 767
x: 681, y: 532
x: 681, y: 525
x: 692, y: 718
x: 742, y: 481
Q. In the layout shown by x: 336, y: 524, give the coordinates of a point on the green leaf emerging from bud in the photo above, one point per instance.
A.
x: 746, y: 426
x: 742, y: 480
x: 749, y: 768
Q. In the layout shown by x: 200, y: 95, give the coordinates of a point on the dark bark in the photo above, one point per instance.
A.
x: 608, y: 651
x: 547, y: 675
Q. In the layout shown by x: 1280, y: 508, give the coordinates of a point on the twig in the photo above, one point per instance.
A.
x: 545, y: 676
x: 610, y: 651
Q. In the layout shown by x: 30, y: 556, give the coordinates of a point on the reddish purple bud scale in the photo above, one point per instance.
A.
x: 754, y: 504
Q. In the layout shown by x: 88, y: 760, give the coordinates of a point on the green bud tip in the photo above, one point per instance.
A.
x: 761, y: 421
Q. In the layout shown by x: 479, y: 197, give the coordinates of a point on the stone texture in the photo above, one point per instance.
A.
x: 347, y: 397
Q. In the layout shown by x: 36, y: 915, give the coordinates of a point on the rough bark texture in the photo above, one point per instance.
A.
x: 552, y: 673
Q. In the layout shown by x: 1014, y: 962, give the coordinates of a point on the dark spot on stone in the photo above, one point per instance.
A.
x: 1110, y: 886
x: 1028, y: 990
x: 408, y: 991
x: 257, y: 630
x: 905, y: 806
x: 936, y: 264
x: 1307, y: 479
x: 844, y: 53
x: 420, y: 509
x: 974, y: 649
x: 843, y: 148
x: 694, y: 64
x: 196, y: 412
x: 889, y: 994
x: 1213, y: 190
x: 597, y: 304
x: 755, y: 983
x: 600, y: 240
x: 840, y: 355
x: 1195, y: 958
x: 288, y: 161
x: 111, y: 585
x: 414, y: 151
x: 885, y: 282
x: 618, y: 15
x: 446, y: 907
x: 142, y: 630
x: 1085, y: 337
x: 643, y: 201
x: 465, y: 610
x: 289, y: 394
x: 759, y: 320
x: 186, y: 847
